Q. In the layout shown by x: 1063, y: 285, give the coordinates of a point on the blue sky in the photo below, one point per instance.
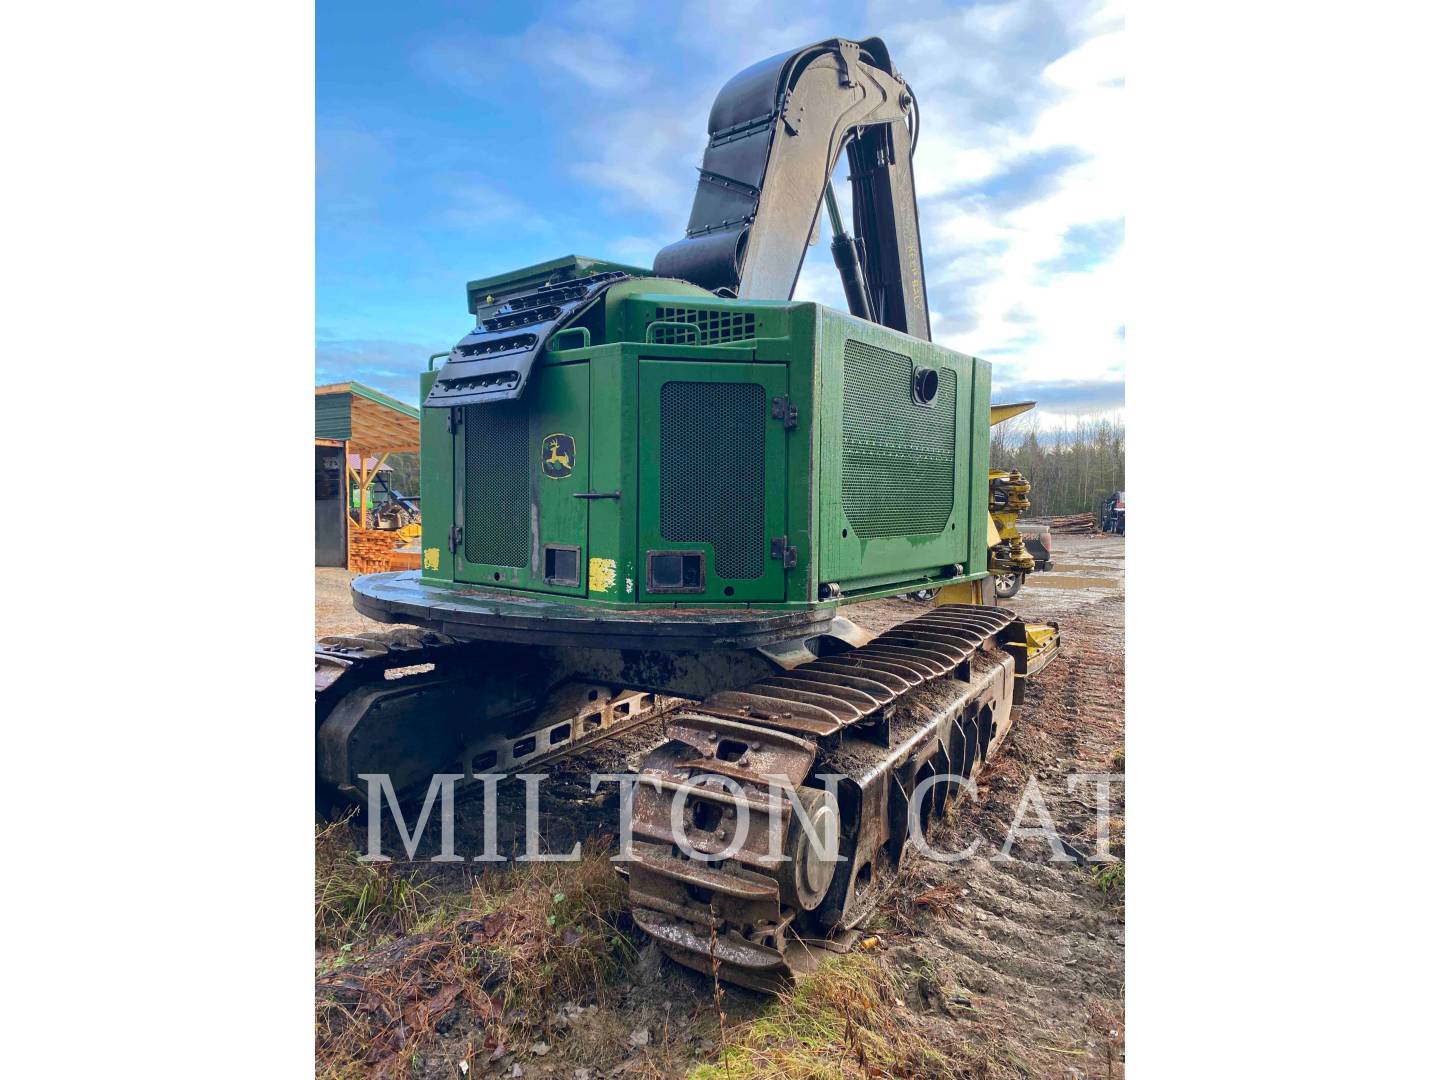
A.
x: 457, y: 140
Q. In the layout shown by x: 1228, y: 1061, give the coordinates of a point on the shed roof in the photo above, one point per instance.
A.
x: 369, y: 419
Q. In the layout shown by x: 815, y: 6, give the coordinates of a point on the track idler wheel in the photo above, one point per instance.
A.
x: 810, y: 867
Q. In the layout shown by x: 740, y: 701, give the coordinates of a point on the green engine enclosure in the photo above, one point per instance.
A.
x: 679, y: 448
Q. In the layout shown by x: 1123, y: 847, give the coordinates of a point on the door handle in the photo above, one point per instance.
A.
x: 597, y: 495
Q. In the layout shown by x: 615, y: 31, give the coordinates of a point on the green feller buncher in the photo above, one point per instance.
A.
x: 660, y: 489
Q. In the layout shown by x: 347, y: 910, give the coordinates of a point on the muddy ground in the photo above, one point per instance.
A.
x: 1015, y: 967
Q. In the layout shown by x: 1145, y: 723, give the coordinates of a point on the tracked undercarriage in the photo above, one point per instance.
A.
x: 854, y: 731
x: 932, y: 697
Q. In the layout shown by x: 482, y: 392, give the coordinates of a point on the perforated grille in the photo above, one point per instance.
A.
x: 497, y: 484
x: 712, y: 471
x: 899, y: 457
x: 711, y: 327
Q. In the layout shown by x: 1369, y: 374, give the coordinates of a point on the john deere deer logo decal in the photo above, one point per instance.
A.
x: 558, y: 456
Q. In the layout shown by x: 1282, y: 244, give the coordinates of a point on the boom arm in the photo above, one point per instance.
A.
x: 776, y: 133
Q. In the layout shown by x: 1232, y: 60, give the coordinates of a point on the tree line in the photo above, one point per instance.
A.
x: 1071, y: 469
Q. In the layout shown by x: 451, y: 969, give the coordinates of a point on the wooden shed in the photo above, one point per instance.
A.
x: 356, y: 429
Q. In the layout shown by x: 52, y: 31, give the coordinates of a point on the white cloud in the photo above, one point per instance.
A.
x: 352, y: 165
x: 593, y: 60
x: 1023, y: 97
x: 475, y: 204
x: 989, y: 261
x: 645, y: 157
x: 819, y: 283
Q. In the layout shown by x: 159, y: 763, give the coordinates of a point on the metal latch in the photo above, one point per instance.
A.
x: 781, y: 549
x: 782, y: 410
x: 452, y: 421
x: 457, y: 533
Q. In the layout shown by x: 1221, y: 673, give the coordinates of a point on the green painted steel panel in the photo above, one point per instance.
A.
x: 613, y: 463
x: 562, y: 409
x: 437, y: 489
x: 523, y: 463
x: 332, y: 416
x: 633, y: 306
x: 712, y: 475
x: 898, y: 466
x: 497, y: 485
x: 913, y: 493
x: 977, y: 561
x: 674, y: 427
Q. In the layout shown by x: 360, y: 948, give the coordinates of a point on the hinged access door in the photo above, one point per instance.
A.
x: 521, y: 465
x: 712, y: 481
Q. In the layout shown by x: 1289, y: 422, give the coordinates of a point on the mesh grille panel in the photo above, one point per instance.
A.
x: 711, y: 326
x: 712, y: 471
x: 497, y: 484
x: 899, y: 457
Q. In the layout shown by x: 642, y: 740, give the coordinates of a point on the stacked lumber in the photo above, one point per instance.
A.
x: 1074, y: 523
x: 370, y: 550
x: 404, y: 560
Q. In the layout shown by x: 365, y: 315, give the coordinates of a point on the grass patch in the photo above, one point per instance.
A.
x: 1110, y: 878
x: 358, y: 901
x: 522, y: 939
x: 841, y: 1023
x: 552, y: 930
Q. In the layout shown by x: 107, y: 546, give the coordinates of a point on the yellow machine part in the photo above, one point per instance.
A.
x: 1041, y: 637
x: 1006, y: 545
x: 1000, y: 413
x: 1042, y: 640
x: 1042, y: 643
x: 962, y: 592
x: 411, y: 531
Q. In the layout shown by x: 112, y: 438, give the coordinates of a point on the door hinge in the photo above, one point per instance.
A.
x: 452, y: 422
x: 780, y: 549
x: 782, y: 410
x: 457, y: 533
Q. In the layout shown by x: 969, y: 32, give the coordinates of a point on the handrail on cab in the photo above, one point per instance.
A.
x: 650, y: 330
x: 583, y: 331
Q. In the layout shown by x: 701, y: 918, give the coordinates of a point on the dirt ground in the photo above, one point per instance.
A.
x: 334, y: 613
x: 1009, y: 968
x: 1037, y: 947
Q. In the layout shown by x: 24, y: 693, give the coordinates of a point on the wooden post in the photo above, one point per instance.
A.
x: 364, y: 490
x: 345, y: 494
x: 379, y: 463
x: 351, y: 477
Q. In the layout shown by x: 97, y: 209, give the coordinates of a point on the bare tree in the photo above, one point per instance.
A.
x: 1070, y: 468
